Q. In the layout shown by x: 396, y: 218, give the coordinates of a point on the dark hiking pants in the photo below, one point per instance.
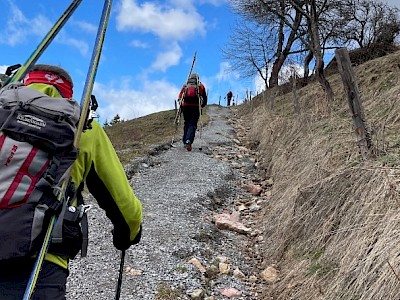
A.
x: 191, y: 116
x: 14, y: 276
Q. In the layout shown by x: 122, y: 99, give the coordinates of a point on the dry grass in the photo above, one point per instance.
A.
x: 165, y: 292
x: 332, y: 224
x: 137, y: 137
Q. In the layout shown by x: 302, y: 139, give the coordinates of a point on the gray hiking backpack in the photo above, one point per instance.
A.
x: 37, y: 135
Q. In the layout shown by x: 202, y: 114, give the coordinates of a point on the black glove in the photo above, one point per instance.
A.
x: 122, y: 242
x: 202, y: 102
x: 138, y: 236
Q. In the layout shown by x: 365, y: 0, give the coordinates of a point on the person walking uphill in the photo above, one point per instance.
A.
x: 98, y: 165
x: 229, y: 96
x: 194, y: 98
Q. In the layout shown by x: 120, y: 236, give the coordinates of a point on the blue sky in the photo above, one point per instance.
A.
x: 148, y: 49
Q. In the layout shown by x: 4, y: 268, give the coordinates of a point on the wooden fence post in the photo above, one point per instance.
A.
x: 251, y: 103
x: 357, y: 112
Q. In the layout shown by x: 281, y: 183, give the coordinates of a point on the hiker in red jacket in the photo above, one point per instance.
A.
x: 194, y: 98
x: 228, y: 98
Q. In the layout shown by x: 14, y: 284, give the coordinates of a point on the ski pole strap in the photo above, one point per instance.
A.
x: 85, y: 237
x: 57, y: 237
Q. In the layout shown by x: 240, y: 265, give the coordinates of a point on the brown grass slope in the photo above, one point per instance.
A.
x: 332, y: 224
x: 142, y: 136
x: 136, y: 137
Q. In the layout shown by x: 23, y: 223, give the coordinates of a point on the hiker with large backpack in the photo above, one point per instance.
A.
x: 194, y: 98
x: 37, y: 121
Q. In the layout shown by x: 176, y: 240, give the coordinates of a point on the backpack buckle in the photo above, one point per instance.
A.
x: 75, y: 214
x: 51, y: 171
x: 56, y: 206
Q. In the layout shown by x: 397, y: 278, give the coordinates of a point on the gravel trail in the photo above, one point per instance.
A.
x: 178, y: 191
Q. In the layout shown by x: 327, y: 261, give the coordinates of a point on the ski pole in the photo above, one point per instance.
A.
x: 200, y: 116
x: 20, y: 74
x: 86, y: 98
x: 121, y: 270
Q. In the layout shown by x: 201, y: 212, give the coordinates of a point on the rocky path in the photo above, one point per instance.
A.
x: 200, y: 230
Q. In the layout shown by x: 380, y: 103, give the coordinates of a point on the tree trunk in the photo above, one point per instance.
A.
x: 319, y: 72
x: 283, y: 54
x: 318, y: 54
x: 276, y: 67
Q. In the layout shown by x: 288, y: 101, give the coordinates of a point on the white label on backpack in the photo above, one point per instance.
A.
x: 21, y: 166
x: 31, y: 121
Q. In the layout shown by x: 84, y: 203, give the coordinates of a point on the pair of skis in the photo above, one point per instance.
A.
x: 180, y: 100
x: 85, y: 103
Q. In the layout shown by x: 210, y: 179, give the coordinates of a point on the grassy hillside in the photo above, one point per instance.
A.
x: 138, y: 137
x: 332, y: 224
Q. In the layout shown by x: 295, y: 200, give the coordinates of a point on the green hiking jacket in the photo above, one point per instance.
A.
x: 98, y: 165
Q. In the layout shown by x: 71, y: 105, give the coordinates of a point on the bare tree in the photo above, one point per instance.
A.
x: 262, y: 12
x: 368, y: 22
x: 250, y: 49
x: 284, y: 45
x: 312, y: 10
x: 308, y: 13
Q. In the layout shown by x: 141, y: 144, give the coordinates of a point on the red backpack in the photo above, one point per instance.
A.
x: 191, y: 92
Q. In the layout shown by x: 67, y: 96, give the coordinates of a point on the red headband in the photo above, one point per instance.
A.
x: 47, y: 77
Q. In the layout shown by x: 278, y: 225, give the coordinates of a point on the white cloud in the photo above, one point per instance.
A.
x: 259, y: 84
x: 86, y: 26
x: 224, y: 80
x: 80, y: 45
x: 139, y: 44
x: 191, y: 3
x: 167, y: 58
x: 153, y: 97
x: 225, y: 72
x: 19, y: 29
x: 214, y: 2
x: 167, y: 23
x: 40, y: 25
x: 16, y: 28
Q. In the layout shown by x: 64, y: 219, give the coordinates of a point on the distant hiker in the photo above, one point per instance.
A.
x: 98, y: 165
x: 228, y: 98
x: 194, y: 98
